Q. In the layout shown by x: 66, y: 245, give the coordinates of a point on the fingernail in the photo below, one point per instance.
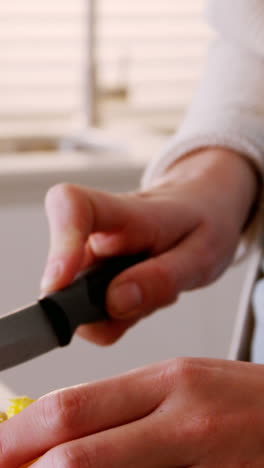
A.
x: 51, y: 274
x: 99, y: 242
x: 125, y: 300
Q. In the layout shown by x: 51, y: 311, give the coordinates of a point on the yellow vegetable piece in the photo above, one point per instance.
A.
x: 17, y: 405
x: 3, y: 417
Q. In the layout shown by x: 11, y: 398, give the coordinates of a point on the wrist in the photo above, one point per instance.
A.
x: 227, y: 170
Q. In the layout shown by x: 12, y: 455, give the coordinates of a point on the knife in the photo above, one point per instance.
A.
x: 51, y: 322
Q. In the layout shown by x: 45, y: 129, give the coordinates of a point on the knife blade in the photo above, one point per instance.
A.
x: 51, y: 321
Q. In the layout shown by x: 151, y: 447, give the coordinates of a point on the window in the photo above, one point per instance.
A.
x: 148, y: 57
x: 154, y: 50
x: 42, y: 63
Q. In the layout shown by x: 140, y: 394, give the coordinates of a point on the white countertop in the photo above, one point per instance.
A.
x: 24, y: 178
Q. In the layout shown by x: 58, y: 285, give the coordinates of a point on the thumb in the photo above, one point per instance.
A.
x: 73, y: 214
x: 158, y: 281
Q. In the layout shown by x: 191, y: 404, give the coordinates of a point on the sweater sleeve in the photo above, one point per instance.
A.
x: 228, y: 109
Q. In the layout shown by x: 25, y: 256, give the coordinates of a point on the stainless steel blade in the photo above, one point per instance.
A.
x: 25, y: 334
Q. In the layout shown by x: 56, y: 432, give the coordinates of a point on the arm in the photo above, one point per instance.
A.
x: 228, y: 109
x: 190, y: 220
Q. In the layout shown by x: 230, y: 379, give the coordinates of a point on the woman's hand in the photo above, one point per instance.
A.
x: 192, y: 413
x: 190, y: 223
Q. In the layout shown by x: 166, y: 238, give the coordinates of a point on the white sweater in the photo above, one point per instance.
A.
x: 228, y: 109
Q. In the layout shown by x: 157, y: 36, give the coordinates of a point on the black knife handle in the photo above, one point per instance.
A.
x: 83, y: 301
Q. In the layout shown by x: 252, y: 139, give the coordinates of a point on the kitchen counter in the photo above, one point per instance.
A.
x: 26, y: 178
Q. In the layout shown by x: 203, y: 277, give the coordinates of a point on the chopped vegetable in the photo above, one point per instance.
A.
x: 17, y: 405
x: 3, y: 417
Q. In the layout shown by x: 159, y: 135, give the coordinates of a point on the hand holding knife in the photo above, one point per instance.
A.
x: 51, y: 322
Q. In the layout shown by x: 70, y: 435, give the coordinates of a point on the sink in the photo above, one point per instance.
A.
x: 94, y: 141
x: 25, y: 144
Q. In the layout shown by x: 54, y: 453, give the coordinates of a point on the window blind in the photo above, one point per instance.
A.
x: 156, y: 48
x: 42, y: 61
x: 152, y: 48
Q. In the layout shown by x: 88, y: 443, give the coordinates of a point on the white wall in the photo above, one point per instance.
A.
x: 200, y: 324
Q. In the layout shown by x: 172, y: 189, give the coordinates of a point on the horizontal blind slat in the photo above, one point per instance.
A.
x: 151, y: 42
x: 59, y: 7
x: 42, y: 58
x: 146, y: 7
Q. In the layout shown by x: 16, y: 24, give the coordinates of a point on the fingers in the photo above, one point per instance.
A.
x: 77, y: 412
x: 143, y: 444
x: 189, y: 428
x: 73, y: 214
x: 158, y: 281
x: 87, y: 224
x: 152, y: 284
x: 105, y: 333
